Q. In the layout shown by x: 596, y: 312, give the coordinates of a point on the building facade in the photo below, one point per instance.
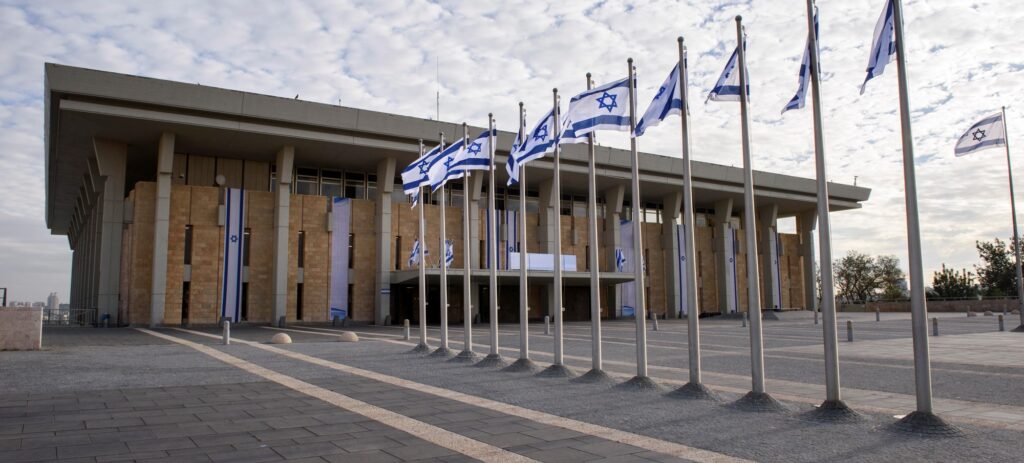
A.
x: 139, y: 170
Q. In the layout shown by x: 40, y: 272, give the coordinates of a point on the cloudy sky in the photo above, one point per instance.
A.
x: 963, y: 58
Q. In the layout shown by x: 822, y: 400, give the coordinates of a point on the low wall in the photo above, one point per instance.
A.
x: 973, y: 305
x: 21, y: 328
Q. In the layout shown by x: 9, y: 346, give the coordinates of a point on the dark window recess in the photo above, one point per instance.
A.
x: 351, y: 250
x: 302, y: 249
x: 351, y: 310
x: 398, y: 253
x: 246, y: 239
x: 587, y: 258
x: 185, y: 296
x: 298, y: 301
x: 188, y: 245
x: 245, y: 301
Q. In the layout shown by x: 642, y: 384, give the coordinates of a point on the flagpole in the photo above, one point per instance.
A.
x: 557, y: 367
x: 493, y: 359
x: 923, y: 416
x: 1016, y: 235
x: 833, y: 399
x: 443, y: 351
x: 523, y: 363
x: 597, y: 372
x: 423, y: 346
x: 750, y: 233
x: 641, y: 380
x: 467, y: 353
x: 695, y: 387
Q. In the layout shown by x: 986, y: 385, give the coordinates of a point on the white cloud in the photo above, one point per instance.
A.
x: 381, y: 55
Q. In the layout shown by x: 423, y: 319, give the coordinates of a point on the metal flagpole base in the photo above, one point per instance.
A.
x: 694, y: 391
x: 556, y: 371
x: 759, y: 402
x: 522, y: 366
x: 443, y: 352
x: 833, y: 411
x: 926, y: 425
x: 491, y: 361
x: 420, y: 348
x: 639, y: 383
x: 466, y: 356
x: 594, y: 376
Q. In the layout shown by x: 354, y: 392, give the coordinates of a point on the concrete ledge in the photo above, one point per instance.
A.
x: 21, y: 328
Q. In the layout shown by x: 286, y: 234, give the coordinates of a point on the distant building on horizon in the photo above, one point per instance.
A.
x: 53, y: 302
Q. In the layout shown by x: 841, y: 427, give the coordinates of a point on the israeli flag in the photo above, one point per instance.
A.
x: 667, y: 101
x: 987, y: 133
x: 620, y: 260
x: 537, y: 143
x: 477, y: 155
x: 442, y: 168
x: 883, y: 47
x: 602, y: 108
x: 414, y: 258
x: 449, y: 253
x: 234, y: 235
x: 416, y: 198
x: 728, y: 86
x: 805, y: 73
x: 415, y: 175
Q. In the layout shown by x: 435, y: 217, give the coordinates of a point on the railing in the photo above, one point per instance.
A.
x: 69, y: 317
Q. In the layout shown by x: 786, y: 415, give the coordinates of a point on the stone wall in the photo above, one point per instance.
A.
x: 21, y: 328
x: 973, y: 305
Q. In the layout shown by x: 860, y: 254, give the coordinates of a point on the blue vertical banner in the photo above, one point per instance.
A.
x: 731, y: 291
x: 341, y: 228
x: 773, y: 254
x: 628, y: 293
x: 231, y: 267
x: 511, y: 236
x: 681, y: 262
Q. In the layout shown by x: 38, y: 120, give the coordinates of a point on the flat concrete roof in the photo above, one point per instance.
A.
x: 83, y: 104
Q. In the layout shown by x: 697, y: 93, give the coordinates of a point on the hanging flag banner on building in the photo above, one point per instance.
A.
x: 668, y: 101
x: 987, y: 133
x: 341, y: 229
x: 414, y: 257
x: 511, y: 236
x: 627, y: 295
x: 602, y: 108
x: 449, y: 253
x: 681, y: 263
x: 728, y: 86
x: 731, y: 290
x: 883, y: 46
x: 234, y: 234
x: 774, y: 256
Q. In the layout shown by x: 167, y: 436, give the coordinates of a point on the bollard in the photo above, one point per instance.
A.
x: 655, y: 317
x: 849, y: 331
x: 406, y: 330
x: 744, y: 318
x: 547, y: 324
x: 935, y: 326
x: 815, y: 316
x: 280, y: 322
x: 227, y: 332
x: 1002, y: 327
x: 878, y: 315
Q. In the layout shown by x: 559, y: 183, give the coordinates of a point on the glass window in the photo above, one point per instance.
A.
x: 579, y: 206
x: 188, y: 245
x: 455, y: 195
x: 273, y: 177
x: 298, y: 301
x: 566, y: 208
x: 330, y: 183
x: 302, y: 249
x: 398, y: 253
x: 371, y: 187
x: 246, y: 238
x: 306, y: 181
x: 355, y: 185
x: 351, y: 250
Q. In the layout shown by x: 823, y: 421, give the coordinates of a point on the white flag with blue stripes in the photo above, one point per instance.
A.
x: 602, y: 108
x: 987, y: 133
x: 538, y: 142
x: 449, y: 253
x: 442, y: 168
x: 667, y: 101
x: 234, y: 235
x: 798, y: 100
x: 620, y: 260
x: 883, y: 47
x: 728, y: 86
x: 414, y: 258
x: 415, y: 174
x: 477, y: 155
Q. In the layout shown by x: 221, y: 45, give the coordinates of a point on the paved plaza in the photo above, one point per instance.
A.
x: 179, y: 395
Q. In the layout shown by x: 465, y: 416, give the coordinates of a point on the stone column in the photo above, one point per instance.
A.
x: 723, y: 212
x: 110, y: 159
x: 161, y: 223
x: 767, y: 218
x: 479, y: 203
x: 805, y: 225
x: 672, y: 202
x: 548, y: 214
x: 385, y: 186
x: 282, y: 202
x: 613, y: 198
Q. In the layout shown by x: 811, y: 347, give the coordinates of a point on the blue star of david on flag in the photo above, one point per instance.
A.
x: 666, y: 102
x: 415, y: 174
x: 234, y: 238
x: 541, y: 134
x: 537, y: 144
x: 602, y: 103
x: 474, y: 149
x: 986, y: 133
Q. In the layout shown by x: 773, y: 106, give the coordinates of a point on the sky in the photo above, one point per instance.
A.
x: 963, y: 61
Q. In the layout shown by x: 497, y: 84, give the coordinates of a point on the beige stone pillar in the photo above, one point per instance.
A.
x: 382, y: 285
x: 282, y: 202
x: 613, y: 198
x: 806, y: 224
x: 767, y: 228
x: 161, y: 223
x: 723, y: 262
x: 671, y: 203
x: 110, y: 161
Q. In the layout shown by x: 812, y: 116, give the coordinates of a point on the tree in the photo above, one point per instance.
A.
x: 949, y: 284
x: 996, y: 274
x: 859, y: 277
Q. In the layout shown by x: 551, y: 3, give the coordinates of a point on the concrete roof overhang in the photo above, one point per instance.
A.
x: 83, y: 104
x: 509, y: 277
